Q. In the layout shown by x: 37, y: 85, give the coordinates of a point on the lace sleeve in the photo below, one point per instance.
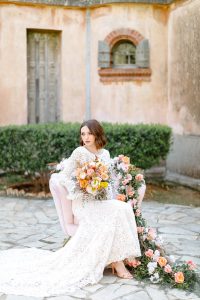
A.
x: 70, y: 164
x: 111, y: 188
x: 68, y: 171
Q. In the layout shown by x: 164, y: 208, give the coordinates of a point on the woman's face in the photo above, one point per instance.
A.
x: 87, y: 137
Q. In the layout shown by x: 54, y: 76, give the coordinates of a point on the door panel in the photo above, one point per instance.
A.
x: 43, y: 76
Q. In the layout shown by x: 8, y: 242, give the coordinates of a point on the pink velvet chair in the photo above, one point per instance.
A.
x: 63, y: 205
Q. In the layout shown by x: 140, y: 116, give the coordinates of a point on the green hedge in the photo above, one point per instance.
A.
x: 31, y: 147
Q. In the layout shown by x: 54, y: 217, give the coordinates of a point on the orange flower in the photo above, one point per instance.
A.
x: 83, y: 183
x: 179, y: 277
x: 104, y: 176
x: 126, y: 159
x: 162, y: 261
x: 121, y: 197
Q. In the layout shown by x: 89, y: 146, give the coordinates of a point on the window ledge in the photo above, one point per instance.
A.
x: 121, y: 74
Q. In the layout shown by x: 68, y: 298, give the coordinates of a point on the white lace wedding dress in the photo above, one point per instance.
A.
x: 106, y: 233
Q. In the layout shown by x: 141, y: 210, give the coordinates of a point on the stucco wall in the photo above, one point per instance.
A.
x: 184, y: 88
x: 132, y: 102
x: 14, y: 21
x: 184, y: 68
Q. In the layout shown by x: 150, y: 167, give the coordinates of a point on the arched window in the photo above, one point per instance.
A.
x: 123, y: 54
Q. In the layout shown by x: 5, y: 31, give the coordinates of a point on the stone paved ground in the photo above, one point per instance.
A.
x: 27, y: 223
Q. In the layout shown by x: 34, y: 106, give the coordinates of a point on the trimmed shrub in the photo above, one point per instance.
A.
x: 32, y: 147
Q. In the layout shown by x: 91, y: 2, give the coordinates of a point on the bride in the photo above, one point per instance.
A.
x: 106, y: 235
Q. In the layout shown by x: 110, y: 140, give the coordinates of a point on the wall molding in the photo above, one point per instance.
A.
x: 85, y: 3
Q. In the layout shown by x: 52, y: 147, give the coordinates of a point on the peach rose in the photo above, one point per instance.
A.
x: 90, y: 172
x: 168, y: 269
x: 149, y: 253
x: 104, y: 176
x: 135, y: 263
x: 139, y: 177
x: 179, y: 277
x: 126, y: 159
x: 121, y: 197
x: 162, y: 261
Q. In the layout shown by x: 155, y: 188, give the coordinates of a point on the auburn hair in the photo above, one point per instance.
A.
x: 97, y: 130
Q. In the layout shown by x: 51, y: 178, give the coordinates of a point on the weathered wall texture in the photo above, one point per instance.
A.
x: 184, y: 68
x: 184, y: 88
x: 14, y: 21
x: 117, y: 102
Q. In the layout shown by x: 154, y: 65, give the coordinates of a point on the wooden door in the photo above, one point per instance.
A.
x: 43, y: 76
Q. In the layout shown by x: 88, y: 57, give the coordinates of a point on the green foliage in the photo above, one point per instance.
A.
x: 32, y: 147
x: 145, y: 144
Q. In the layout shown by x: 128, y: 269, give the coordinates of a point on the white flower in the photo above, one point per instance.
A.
x: 118, y: 167
x: 115, y: 159
x: 156, y: 255
x: 159, y: 241
x: 151, y: 270
x: 129, y: 177
x: 155, y: 278
x: 151, y: 267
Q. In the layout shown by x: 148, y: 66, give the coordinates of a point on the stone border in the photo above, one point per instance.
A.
x: 109, y: 75
x: 123, y: 34
x: 86, y: 3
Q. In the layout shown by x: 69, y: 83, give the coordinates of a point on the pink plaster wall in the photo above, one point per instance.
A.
x: 132, y: 102
x: 14, y: 21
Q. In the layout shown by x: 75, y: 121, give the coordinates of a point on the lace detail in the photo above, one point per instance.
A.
x: 107, y: 232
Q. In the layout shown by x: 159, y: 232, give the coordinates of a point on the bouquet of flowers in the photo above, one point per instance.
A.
x: 92, y: 178
x: 154, y: 264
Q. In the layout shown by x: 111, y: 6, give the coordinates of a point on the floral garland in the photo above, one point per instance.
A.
x: 153, y: 264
